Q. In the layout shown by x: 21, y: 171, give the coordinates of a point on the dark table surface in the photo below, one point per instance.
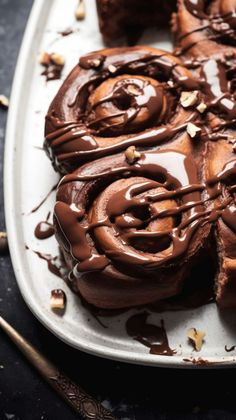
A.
x: 131, y: 392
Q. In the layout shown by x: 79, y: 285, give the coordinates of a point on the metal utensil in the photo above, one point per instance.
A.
x: 73, y: 394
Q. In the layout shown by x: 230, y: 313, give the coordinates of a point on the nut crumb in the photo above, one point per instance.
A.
x: 111, y: 68
x: 201, y: 107
x: 196, y: 337
x: 80, y: 11
x: 45, y: 59
x: 4, y: 101
x: 188, y: 99
x: 57, y: 59
x: 57, y: 299
x: 193, y: 130
x: 132, y: 155
x: 96, y: 62
x: 133, y: 90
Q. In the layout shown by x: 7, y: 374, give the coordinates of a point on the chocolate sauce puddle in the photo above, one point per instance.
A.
x: 152, y: 336
x: 44, y: 230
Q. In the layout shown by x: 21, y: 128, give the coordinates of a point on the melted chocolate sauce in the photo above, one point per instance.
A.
x: 129, y: 105
x: 149, y: 335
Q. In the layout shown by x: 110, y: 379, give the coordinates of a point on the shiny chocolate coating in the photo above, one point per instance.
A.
x: 115, y: 98
x: 130, y: 232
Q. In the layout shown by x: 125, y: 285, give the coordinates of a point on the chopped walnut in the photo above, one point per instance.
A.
x: 133, y: 90
x: 45, y: 59
x: 4, y: 101
x: 193, y: 130
x: 111, y: 68
x: 57, y: 299
x: 132, y: 155
x: 201, y: 107
x: 196, y: 337
x: 188, y: 99
x: 80, y: 11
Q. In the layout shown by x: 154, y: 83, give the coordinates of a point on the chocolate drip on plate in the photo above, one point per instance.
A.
x: 150, y: 335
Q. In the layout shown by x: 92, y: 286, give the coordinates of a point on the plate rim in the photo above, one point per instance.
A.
x: 36, y: 15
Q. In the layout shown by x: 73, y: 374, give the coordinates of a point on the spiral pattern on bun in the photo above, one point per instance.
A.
x: 115, y: 98
x: 131, y: 229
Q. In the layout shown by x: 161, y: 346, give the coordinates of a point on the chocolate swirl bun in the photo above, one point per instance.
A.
x: 115, y: 98
x: 131, y: 229
x: 220, y: 172
x: 205, y: 29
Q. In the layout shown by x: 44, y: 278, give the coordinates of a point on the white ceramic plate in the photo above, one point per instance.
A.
x: 28, y: 178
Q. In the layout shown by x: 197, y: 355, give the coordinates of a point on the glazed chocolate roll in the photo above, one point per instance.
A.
x: 115, y: 98
x: 132, y: 225
x: 118, y: 18
x: 205, y: 29
x: 220, y: 173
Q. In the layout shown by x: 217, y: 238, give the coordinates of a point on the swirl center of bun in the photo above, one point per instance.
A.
x: 126, y: 103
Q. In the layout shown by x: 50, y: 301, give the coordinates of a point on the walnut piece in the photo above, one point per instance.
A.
x: 57, y: 59
x: 132, y: 155
x: 111, y: 68
x: 193, y: 130
x: 201, y: 107
x: 80, y: 11
x: 57, y: 299
x: 45, y: 59
x: 196, y: 337
x: 4, y: 101
x: 188, y: 99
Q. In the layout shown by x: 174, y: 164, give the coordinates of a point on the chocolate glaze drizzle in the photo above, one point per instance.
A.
x: 179, y: 181
x: 149, y: 335
x: 214, y: 24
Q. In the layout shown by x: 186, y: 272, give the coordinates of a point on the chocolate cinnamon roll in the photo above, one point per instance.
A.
x: 132, y: 225
x: 115, y: 98
x: 205, y: 28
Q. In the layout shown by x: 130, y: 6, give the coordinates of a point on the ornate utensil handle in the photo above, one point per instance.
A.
x: 87, y: 406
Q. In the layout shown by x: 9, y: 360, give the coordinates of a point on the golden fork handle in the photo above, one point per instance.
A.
x: 87, y: 406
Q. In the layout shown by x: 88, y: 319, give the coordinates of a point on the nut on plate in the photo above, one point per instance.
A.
x: 132, y: 155
x: 45, y: 59
x: 80, y: 11
x: 188, y: 99
x: 201, y: 107
x: 196, y: 337
x: 57, y: 299
x: 193, y: 130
